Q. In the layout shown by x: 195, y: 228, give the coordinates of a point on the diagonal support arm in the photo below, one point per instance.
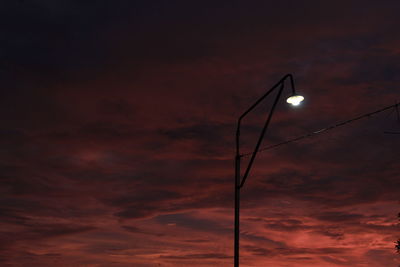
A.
x: 279, y: 85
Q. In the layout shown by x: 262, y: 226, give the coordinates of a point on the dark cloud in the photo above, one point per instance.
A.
x: 144, y: 204
x: 197, y: 241
x: 339, y: 217
x: 187, y: 221
x: 53, y: 230
x: 199, y: 256
x: 134, y: 229
x: 286, y: 225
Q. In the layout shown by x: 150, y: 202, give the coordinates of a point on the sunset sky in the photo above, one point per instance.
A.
x: 118, y: 121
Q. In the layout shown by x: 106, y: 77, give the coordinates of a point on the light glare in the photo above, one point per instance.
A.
x: 295, y: 100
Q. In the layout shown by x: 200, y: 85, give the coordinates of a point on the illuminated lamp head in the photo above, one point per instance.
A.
x: 295, y: 100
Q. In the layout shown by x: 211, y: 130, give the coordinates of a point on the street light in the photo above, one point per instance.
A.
x: 294, y: 100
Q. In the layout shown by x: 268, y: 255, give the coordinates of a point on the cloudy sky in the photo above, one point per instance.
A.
x: 118, y: 122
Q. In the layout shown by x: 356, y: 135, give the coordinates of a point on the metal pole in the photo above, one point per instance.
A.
x: 237, y: 207
x: 239, y: 181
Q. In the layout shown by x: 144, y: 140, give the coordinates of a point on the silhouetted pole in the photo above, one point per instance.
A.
x: 239, y: 181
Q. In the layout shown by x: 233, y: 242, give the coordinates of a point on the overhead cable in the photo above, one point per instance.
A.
x: 323, y: 130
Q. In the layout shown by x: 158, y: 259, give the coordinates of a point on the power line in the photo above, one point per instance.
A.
x: 308, y: 135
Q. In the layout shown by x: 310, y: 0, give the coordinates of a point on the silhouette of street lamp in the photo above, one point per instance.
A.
x: 294, y: 100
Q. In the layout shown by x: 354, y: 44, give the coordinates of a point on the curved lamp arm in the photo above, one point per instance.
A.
x: 280, y: 85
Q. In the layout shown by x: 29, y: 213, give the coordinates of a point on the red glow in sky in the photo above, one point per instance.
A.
x: 118, y: 123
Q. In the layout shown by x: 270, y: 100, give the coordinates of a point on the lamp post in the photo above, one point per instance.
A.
x: 294, y: 100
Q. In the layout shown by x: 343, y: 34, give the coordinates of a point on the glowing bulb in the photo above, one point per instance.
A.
x: 295, y: 100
